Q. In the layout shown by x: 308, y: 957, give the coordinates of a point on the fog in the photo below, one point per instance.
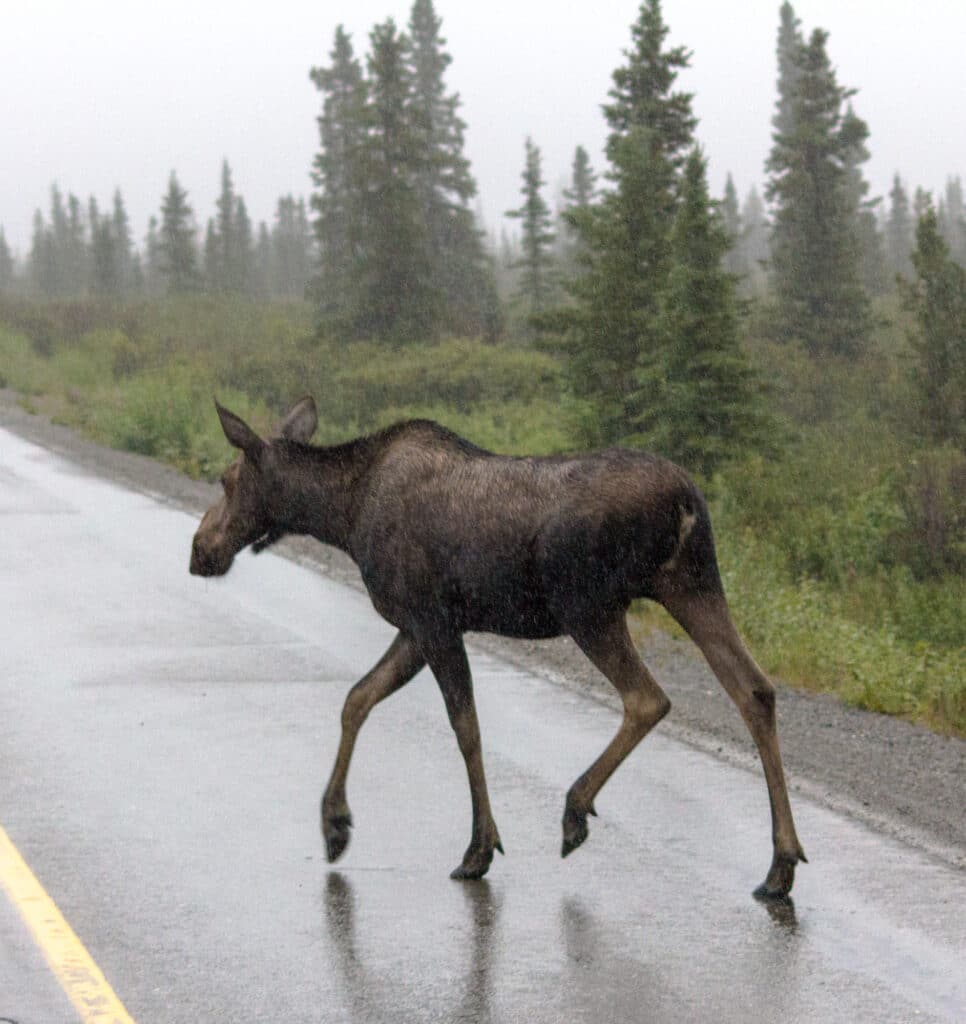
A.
x: 106, y: 94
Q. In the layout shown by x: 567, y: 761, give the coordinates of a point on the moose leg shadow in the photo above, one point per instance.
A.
x: 372, y: 997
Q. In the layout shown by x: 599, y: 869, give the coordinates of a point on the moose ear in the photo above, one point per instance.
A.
x: 239, y: 433
x: 301, y: 421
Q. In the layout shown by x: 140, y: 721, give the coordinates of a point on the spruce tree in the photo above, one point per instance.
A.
x: 754, y: 243
x: 734, y: 259
x: 699, y: 401
x: 815, y: 250
x: 921, y: 204
x: 400, y: 301
x: 93, y: 215
x: 583, y: 182
x: 41, y: 262
x: 952, y: 219
x: 789, y: 44
x: 58, y: 275
x: 106, y: 271
x: 937, y: 300
x: 506, y: 254
x: 211, y: 258
x: 121, y: 228
x: 178, y: 259
x: 75, y: 251
x: 228, y: 240
x: 304, y: 246
x: 58, y: 255
x: 442, y: 177
x: 241, y: 266
x: 291, y: 249
x: 263, y: 284
x: 137, y: 284
x: 224, y: 232
x: 869, y: 246
x: 899, y: 231
x: 153, y: 276
x: 625, y: 237
x: 579, y: 196
x: 338, y: 175
x: 6, y: 265
x: 535, y: 286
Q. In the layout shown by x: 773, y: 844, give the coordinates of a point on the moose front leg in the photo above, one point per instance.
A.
x: 396, y: 667
x: 452, y: 672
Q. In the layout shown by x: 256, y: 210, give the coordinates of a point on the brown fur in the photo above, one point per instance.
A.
x: 451, y: 538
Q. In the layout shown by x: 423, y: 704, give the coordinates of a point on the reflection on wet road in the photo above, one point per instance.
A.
x: 164, y: 743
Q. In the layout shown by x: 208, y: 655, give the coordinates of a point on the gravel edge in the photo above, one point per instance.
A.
x: 900, y: 779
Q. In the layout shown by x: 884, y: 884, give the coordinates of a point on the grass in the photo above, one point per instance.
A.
x: 806, y: 631
x: 824, y: 552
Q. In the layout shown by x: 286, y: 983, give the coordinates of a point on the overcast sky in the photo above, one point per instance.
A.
x: 98, y: 94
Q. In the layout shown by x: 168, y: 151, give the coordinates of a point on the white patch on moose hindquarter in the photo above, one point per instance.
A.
x: 688, y: 519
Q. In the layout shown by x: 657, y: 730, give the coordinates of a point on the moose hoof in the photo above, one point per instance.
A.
x: 574, y: 830
x: 476, y: 863
x: 336, y: 833
x: 767, y: 892
x: 781, y: 877
x: 472, y: 867
x: 467, y: 872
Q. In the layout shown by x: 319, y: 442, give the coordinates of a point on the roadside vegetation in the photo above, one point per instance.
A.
x: 842, y: 557
x: 806, y: 362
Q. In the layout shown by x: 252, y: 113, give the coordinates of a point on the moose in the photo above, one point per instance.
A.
x: 451, y: 538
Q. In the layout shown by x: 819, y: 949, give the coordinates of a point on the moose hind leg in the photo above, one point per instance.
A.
x: 645, y: 704
x: 708, y: 622
x: 452, y: 672
x: 396, y: 667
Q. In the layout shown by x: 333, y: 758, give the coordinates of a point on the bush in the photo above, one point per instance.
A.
x: 171, y: 417
x: 20, y: 365
x: 932, y: 495
x: 916, y: 610
x: 459, y: 375
x: 836, y: 544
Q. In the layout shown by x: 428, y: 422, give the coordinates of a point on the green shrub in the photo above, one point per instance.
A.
x: 837, y: 544
x: 932, y: 495
x: 802, y: 632
x: 928, y: 610
x: 169, y: 416
x: 512, y: 428
x: 86, y: 365
x: 20, y: 365
x: 358, y: 382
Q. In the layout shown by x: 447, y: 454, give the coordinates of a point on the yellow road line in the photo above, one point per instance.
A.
x: 77, y: 973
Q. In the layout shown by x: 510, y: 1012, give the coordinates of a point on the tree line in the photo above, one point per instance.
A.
x: 881, y: 233
x: 78, y: 250
x: 401, y: 252
x: 650, y: 270
x: 639, y: 279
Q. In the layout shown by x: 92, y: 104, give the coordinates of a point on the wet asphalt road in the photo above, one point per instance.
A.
x: 164, y: 742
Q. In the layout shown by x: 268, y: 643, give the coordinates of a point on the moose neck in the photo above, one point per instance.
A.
x: 317, y: 489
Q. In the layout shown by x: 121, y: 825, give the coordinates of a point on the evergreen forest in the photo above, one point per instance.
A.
x: 799, y: 344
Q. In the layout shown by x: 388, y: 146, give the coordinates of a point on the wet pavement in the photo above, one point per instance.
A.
x: 164, y: 742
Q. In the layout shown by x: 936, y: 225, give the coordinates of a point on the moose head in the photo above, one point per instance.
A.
x: 247, y: 512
